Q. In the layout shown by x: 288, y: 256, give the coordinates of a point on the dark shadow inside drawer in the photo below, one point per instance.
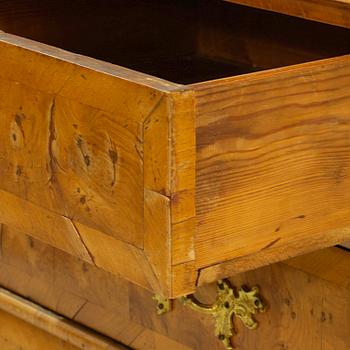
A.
x: 182, y: 41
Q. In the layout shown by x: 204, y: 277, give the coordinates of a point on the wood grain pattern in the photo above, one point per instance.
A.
x: 111, y: 255
x: 69, y: 157
x: 94, y: 247
x: 103, y: 151
x: 295, y: 313
x: 157, y: 220
x: 157, y: 237
x: 183, y: 187
x: 272, y: 159
x: 42, y: 224
x: 335, y: 12
x: 275, y: 254
x: 169, y: 186
x: 127, y: 313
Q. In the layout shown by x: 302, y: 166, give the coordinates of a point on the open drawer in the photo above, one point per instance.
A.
x: 223, y: 145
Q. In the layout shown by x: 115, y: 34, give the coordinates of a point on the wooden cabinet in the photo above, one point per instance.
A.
x: 219, y: 144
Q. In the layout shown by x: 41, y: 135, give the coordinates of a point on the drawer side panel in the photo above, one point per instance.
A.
x: 273, y: 160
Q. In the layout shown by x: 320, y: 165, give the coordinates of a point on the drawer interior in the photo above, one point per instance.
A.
x: 182, y: 41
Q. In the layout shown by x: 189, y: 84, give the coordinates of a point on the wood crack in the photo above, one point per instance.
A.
x: 198, y: 272
x: 84, y: 155
x: 51, y: 140
x: 155, y: 107
x: 272, y: 243
x: 82, y: 241
x: 156, y: 284
x: 77, y: 312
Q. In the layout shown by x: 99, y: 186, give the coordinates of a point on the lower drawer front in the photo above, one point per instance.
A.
x: 308, y: 293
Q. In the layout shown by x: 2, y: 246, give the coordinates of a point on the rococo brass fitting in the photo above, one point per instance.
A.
x: 227, y: 305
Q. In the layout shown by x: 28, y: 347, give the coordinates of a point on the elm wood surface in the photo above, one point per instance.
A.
x: 162, y: 183
x: 114, y: 202
x: 335, y: 12
x: 308, y: 300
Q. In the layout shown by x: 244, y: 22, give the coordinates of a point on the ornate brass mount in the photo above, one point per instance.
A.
x: 227, y: 304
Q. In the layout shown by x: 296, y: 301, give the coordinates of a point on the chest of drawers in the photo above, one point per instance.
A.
x: 223, y: 144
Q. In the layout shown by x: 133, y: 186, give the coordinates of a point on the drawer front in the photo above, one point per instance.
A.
x: 273, y: 163
x: 87, y: 164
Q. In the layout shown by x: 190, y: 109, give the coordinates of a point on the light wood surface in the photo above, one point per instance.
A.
x: 272, y: 160
x: 95, y: 179
x: 83, y: 151
x: 169, y: 186
x: 42, y: 224
x: 336, y: 12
